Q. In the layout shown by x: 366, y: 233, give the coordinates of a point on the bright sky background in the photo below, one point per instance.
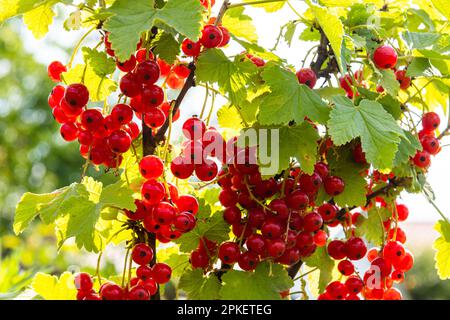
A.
x: 267, y: 26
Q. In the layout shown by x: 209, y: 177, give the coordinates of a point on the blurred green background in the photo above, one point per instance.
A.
x: 34, y: 158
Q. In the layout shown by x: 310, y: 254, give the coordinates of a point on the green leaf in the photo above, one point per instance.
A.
x: 321, y: 260
x: 118, y: 195
x: 47, y: 206
x: 420, y: 40
x: 290, y: 32
x: 379, y: 133
x: 100, y: 62
x: 80, y: 222
x: 198, y: 286
x: 51, y: 288
x: 11, y: 8
x: 269, y: 7
x: 332, y: 27
x: 228, y: 117
x: 372, y: 228
x: 178, y: 262
x: 127, y: 24
x: 389, y: 82
x: 233, y: 78
x: 100, y: 87
x: 265, y: 283
x: 419, y: 67
x: 240, y: 24
x: 75, y: 210
x: 38, y: 20
x: 342, y: 165
x: 310, y: 35
x: 407, y: 148
x: 289, y: 100
x: 166, y: 47
x: 213, y: 228
x: 442, y: 247
x: 443, y: 7
x: 184, y: 16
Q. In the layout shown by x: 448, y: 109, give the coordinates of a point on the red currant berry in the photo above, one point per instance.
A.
x: 182, y: 167
x: 402, y: 212
x: 225, y: 37
x: 161, y: 273
x: 122, y: 113
x: 152, y: 96
x: 194, y: 128
x: 152, y: 192
x: 128, y: 65
x: 307, y: 76
x: 312, y: 222
x: 83, y: 282
x: 328, y: 211
x: 154, y: 118
x: 248, y: 261
x: 336, y: 290
x: 164, y: 213
x: 55, y: 69
x: 119, y: 141
x: 150, y: 285
x: 334, y: 185
x: 184, y: 222
x: 346, y: 267
x: 129, y: 85
x: 430, y: 144
x: 76, y: 95
x: 199, y: 259
x: 142, y: 254
x: 404, y: 80
x: 151, y: 167
x: 232, y: 215
x: 147, y: 72
x: 211, y: 36
x: 111, y: 291
x: 191, y: 48
x: 271, y: 230
x: 354, y: 284
x: 187, y: 203
x: 206, y: 171
x: 138, y: 293
x: 229, y: 252
x: 297, y: 200
x: 322, y: 170
x: 430, y: 121
x: 385, y: 57
x: 337, y: 249
x: 69, y: 131
x: 422, y: 159
x: 355, y: 249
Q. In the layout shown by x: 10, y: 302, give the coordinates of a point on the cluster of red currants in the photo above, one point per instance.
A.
x: 162, y: 210
x: 198, y: 151
x: 276, y: 224
x: 387, y: 264
x: 102, y: 139
x: 430, y: 143
x: 212, y: 37
x: 141, y: 287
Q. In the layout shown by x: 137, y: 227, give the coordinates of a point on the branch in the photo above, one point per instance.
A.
x: 153, y: 141
x: 324, y: 52
x: 225, y: 6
